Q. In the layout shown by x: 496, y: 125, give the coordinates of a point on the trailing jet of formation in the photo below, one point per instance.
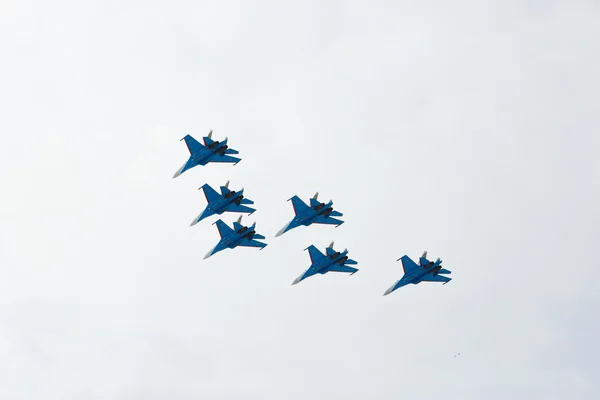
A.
x: 426, y: 271
x: 316, y: 212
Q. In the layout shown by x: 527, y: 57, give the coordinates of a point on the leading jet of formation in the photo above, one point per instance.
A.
x: 317, y: 213
x: 227, y: 201
x: 238, y: 236
x: 426, y: 271
x: 334, y: 261
x: 211, y: 151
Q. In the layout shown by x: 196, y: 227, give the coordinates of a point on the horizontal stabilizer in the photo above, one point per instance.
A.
x: 350, y: 262
x: 252, y: 243
x: 258, y: 236
x: 336, y: 214
x: 217, y: 158
x: 328, y: 220
x: 231, y: 151
x: 435, y: 278
x: 342, y: 268
x: 246, y: 201
x: 239, y: 209
x: 444, y: 271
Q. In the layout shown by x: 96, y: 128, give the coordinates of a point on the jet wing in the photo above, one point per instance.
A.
x: 217, y: 158
x: 342, y: 268
x: 299, y: 205
x: 239, y: 209
x: 435, y: 278
x: 192, y: 144
x: 252, y: 243
x: 224, y: 229
x: 315, y: 254
x: 408, y: 265
x: 210, y: 193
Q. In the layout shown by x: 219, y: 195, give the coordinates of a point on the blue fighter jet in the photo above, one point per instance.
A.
x: 227, y: 201
x: 426, y: 271
x: 211, y: 151
x: 334, y: 261
x: 317, y: 213
x: 238, y: 236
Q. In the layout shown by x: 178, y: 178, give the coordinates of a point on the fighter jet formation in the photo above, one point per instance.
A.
x: 304, y: 215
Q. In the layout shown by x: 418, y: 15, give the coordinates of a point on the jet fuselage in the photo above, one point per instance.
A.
x: 309, y: 216
x: 417, y: 275
x: 205, y: 154
x: 218, y: 206
x: 245, y: 233
x: 323, y: 265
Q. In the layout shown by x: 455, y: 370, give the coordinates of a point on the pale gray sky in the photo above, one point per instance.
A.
x: 469, y: 131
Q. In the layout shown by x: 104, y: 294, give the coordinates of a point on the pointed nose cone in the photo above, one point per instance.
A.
x: 282, y: 230
x: 179, y: 171
x: 197, y: 219
x: 205, y: 214
x: 298, y: 279
x: 391, y: 289
x: 210, y: 253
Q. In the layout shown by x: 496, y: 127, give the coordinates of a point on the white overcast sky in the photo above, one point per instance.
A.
x: 470, y: 131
